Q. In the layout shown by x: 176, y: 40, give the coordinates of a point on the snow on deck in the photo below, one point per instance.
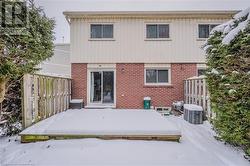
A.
x: 198, y: 147
x: 104, y: 122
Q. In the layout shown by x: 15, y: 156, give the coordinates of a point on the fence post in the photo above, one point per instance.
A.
x: 189, y: 91
x: 27, y: 109
x: 195, y: 92
x: 185, y: 91
x: 199, y: 87
x: 204, y: 96
x: 36, y: 98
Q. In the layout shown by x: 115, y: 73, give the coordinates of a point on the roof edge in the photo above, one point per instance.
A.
x: 93, y: 13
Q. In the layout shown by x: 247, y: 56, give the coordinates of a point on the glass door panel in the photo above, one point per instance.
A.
x: 96, y: 87
x: 108, y: 87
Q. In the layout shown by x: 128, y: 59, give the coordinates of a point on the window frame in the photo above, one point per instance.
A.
x: 157, y: 83
x: 200, y: 67
x: 158, y: 38
x: 209, y: 29
x: 198, y: 71
x: 101, y: 39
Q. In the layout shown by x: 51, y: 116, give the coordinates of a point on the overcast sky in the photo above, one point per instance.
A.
x: 54, y: 8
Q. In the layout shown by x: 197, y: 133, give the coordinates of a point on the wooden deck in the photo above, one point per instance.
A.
x: 103, y: 124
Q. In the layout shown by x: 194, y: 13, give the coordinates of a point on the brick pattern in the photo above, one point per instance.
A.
x: 131, y: 89
x: 79, y: 81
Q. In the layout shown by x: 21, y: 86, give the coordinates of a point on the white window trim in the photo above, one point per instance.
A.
x: 101, y: 66
x: 203, y: 23
x: 101, y: 39
x: 201, y: 65
x: 157, y: 39
x: 158, y: 84
x: 157, y: 65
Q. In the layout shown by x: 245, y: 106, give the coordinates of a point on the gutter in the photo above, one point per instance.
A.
x: 93, y: 13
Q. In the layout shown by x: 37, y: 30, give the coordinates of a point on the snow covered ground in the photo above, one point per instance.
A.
x: 197, y: 147
x: 105, y: 122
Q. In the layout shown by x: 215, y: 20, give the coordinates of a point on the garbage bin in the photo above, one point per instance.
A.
x: 147, y: 102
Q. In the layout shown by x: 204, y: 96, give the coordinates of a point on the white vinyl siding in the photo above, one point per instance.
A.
x: 129, y: 44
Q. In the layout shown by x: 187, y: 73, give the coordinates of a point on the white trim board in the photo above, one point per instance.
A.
x: 99, y: 105
x: 101, y: 66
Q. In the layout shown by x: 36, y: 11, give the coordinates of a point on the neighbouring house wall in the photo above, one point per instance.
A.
x: 131, y: 89
x: 131, y: 46
x: 59, y: 63
x: 79, y: 81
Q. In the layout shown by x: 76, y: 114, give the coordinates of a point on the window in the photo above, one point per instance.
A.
x: 201, y: 71
x: 205, y: 29
x: 101, y: 31
x: 157, y: 31
x: 157, y: 76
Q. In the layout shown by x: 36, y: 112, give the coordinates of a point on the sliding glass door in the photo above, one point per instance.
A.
x: 102, y: 87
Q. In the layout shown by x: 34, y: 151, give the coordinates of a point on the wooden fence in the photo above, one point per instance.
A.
x: 196, y: 92
x: 44, y: 96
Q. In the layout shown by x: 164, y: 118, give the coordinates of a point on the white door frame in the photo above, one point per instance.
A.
x: 89, y: 87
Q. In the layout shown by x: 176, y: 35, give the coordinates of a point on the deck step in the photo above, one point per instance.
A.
x: 35, y: 138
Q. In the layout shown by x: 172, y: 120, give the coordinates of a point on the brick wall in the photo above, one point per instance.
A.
x: 131, y: 89
x: 79, y: 81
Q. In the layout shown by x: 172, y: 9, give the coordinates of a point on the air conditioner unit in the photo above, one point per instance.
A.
x: 165, y: 111
x: 193, y: 113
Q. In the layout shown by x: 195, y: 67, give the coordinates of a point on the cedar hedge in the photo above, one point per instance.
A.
x: 228, y: 77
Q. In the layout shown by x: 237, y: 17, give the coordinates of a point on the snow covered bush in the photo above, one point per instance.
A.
x: 12, y: 109
x: 228, y: 60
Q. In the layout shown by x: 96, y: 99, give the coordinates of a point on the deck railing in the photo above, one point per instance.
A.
x: 44, y: 96
x: 196, y: 92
